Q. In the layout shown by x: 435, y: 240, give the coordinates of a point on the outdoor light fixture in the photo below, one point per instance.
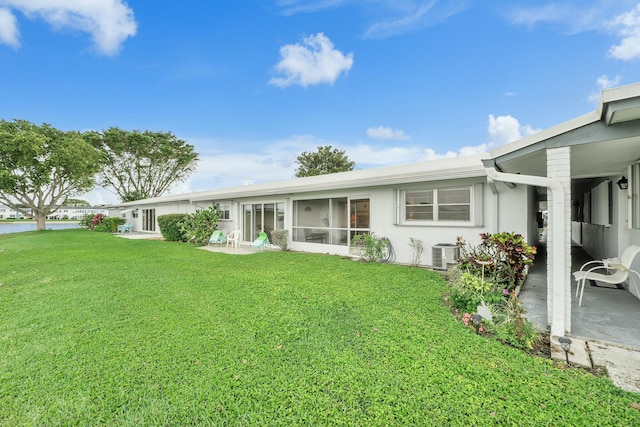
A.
x: 623, y: 183
x: 483, y: 263
x: 565, y: 343
x: 476, y: 319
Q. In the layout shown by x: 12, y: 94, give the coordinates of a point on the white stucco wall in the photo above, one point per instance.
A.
x: 508, y: 210
x: 383, y: 206
x: 515, y: 211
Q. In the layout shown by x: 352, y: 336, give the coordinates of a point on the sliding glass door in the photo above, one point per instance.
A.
x: 149, y: 219
x: 259, y: 217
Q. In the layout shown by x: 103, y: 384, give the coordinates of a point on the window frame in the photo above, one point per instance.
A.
x: 475, y: 206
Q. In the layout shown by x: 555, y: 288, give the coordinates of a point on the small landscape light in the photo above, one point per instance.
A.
x: 565, y: 343
x: 483, y: 263
x: 476, y: 319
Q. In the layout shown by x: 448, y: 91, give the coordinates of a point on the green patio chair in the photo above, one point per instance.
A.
x: 217, y: 238
x: 262, y: 241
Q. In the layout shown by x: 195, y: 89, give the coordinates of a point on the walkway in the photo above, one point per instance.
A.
x: 240, y: 250
x: 603, y: 330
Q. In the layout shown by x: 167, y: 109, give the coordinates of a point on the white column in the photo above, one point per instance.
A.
x: 558, y: 276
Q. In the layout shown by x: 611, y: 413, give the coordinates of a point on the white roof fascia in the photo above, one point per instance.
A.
x: 620, y: 104
x: 619, y: 93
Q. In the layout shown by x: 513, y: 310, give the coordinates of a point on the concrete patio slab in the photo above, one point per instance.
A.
x: 622, y: 364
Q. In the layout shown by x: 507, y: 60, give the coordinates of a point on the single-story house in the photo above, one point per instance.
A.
x: 572, y: 173
x: 77, y: 212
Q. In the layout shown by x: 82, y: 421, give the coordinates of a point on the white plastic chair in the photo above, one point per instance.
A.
x: 233, y: 238
x: 622, y: 272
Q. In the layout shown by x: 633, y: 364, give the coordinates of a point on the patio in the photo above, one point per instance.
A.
x: 607, y: 314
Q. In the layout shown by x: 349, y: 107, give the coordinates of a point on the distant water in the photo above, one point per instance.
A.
x: 17, y: 227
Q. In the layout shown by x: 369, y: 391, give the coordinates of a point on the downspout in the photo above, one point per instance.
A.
x: 558, y: 323
x: 496, y: 202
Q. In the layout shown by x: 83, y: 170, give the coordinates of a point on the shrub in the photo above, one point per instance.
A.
x: 509, y: 325
x: 199, y: 226
x: 280, y: 238
x: 469, y: 291
x: 417, y: 250
x: 112, y: 223
x: 96, y: 220
x: 171, y: 227
x: 370, y: 247
x: 102, y: 228
x: 512, y: 327
x: 85, y: 222
x: 507, y: 253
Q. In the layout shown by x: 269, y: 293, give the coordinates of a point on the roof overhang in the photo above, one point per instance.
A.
x: 621, y: 104
x: 603, y: 142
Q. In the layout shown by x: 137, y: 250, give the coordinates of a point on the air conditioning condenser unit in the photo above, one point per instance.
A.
x: 444, y: 255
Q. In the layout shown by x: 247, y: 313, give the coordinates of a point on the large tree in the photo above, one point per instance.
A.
x: 40, y: 167
x: 140, y: 165
x: 326, y: 160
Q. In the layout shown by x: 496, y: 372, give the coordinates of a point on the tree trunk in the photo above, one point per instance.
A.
x: 40, y: 221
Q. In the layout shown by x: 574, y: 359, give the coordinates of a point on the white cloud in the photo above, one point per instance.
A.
x: 370, y: 155
x: 603, y: 83
x: 313, y: 62
x: 582, y: 15
x: 533, y: 15
x: 99, y: 196
x: 8, y: 28
x: 109, y: 22
x: 383, y: 132
x: 573, y: 15
x: 410, y: 15
x: 506, y: 129
x: 387, y: 18
x: 291, y: 7
x: 628, y: 27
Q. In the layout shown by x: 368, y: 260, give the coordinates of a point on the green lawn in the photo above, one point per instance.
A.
x: 99, y: 330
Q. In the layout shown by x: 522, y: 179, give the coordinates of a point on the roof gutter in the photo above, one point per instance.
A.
x: 558, y: 275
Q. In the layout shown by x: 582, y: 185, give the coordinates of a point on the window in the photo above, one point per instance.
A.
x: 322, y: 221
x: 419, y: 205
x: 440, y: 205
x: 225, y: 209
x: 454, y: 204
x: 359, y: 217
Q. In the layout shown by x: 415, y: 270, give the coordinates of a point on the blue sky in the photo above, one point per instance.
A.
x: 252, y: 84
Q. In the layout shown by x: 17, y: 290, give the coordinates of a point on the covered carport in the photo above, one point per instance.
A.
x: 586, y: 155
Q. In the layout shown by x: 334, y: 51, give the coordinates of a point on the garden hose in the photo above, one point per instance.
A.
x: 390, y: 255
